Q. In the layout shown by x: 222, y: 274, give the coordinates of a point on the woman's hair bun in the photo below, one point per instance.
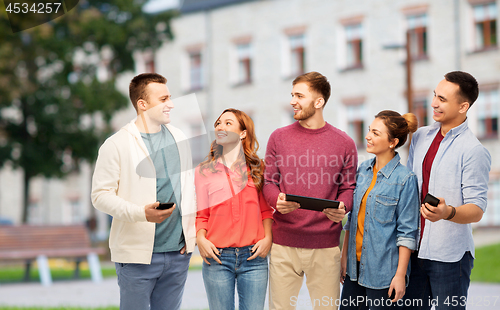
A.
x: 412, y: 121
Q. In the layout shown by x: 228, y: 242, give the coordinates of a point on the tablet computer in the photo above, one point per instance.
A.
x: 315, y: 204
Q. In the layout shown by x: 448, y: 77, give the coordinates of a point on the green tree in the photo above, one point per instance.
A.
x: 57, y: 83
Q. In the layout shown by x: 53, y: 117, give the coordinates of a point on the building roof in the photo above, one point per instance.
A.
x: 190, y: 6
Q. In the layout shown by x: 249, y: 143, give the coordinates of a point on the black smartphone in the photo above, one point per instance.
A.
x: 165, y: 205
x: 433, y: 201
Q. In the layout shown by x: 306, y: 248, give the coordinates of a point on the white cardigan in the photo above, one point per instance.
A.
x: 124, y: 182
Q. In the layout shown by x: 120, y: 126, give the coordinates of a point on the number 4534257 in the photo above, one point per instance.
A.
x: 483, y: 301
x: 35, y: 8
x: 476, y: 301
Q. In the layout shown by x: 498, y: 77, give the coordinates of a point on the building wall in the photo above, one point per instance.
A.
x: 381, y: 83
x: 10, y: 207
x: 51, y: 201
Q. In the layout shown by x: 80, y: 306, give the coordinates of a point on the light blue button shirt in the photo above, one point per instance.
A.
x: 459, y: 174
x: 391, y: 221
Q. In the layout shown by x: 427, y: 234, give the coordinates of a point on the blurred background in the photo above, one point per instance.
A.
x: 64, y: 84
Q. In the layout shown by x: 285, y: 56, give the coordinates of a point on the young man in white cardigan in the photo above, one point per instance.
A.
x: 147, y: 162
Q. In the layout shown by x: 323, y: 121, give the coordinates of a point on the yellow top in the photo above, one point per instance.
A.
x: 361, y: 216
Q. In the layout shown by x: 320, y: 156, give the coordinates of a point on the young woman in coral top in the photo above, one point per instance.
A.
x: 233, y: 222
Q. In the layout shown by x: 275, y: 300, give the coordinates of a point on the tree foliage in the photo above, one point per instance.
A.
x: 57, y: 82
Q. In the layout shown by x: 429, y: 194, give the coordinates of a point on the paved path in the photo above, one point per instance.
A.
x: 84, y: 293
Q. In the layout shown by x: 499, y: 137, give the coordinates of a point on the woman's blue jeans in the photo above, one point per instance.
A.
x: 250, y: 278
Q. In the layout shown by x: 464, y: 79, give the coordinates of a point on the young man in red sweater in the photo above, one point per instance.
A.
x: 308, y: 158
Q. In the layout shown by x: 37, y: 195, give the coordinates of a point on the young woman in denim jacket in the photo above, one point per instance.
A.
x: 382, y: 227
x: 233, y: 222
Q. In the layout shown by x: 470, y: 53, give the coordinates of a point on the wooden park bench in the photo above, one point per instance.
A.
x: 30, y: 242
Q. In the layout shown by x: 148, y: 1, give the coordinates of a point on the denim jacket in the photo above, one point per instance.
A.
x: 391, y: 220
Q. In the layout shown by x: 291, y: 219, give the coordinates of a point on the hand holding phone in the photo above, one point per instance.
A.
x: 157, y: 212
x: 165, y: 205
x: 430, y: 199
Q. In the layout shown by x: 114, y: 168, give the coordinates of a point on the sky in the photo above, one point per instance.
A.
x: 161, y: 5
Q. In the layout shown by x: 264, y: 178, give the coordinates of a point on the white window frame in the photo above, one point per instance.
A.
x: 416, y: 21
x: 200, y: 83
x: 487, y: 106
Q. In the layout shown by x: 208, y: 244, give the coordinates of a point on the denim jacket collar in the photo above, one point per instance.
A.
x: 453, y: 132
x: 389, y: 168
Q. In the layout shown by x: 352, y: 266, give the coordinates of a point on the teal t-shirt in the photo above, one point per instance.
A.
x: 165, y: 155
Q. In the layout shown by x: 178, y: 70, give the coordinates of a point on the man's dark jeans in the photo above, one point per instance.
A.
x: 443, y: 285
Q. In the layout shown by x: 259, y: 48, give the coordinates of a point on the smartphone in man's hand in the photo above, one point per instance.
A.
x: 165, y: 205
x: 430, y: 199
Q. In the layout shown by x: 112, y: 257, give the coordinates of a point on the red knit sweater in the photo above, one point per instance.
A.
x: 318, y: 163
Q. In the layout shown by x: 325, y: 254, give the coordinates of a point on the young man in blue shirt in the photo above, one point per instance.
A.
x: 454, y: 166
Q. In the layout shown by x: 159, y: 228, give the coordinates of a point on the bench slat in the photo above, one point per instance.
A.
x: 26, y: 254
x: 29, y: 241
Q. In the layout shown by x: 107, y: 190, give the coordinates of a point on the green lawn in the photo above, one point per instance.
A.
x: 487, y: 264
x: 16, y: 274
x: 486, y: 269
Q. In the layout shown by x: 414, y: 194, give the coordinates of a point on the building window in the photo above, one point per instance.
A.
x: 420, y: 108
x: 488, y: 106
x: 492, y: 215
x: 244, y: 63
x: 297, y: 54
x: 195, y: 71
x: 34, y: 212
x: 356, y: 124
x: 150, y: 66
x: 354, y: 41
x: 199, y: 144
x: 485, y: 21
x: 75, y: 211
x: 287, y: 117
x: 417, y: 27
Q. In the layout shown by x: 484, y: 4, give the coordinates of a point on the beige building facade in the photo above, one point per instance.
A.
x: 245, y: 54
